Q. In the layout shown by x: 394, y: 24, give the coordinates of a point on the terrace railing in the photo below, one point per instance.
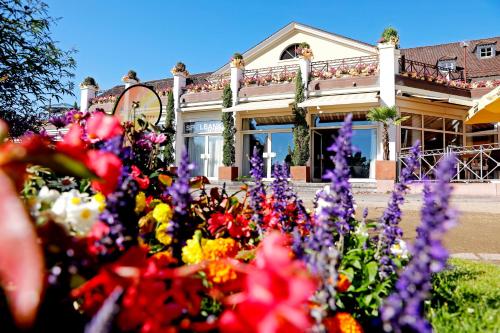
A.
x: 480, y: 163
x: 345, y: 65
x: 270, y: 75
x: 423, y: 71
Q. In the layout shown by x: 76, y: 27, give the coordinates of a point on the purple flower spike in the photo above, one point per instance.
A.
x: 181, y: 228
x: 390, y: 232
x: 403, y: 311
x: 58, y: 121
x: 258, y: 191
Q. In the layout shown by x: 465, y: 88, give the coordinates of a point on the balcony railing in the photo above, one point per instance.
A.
x: 210, y: 83
x: 480, y: 163
x: 270, y: 75
x: 346, y: 67
x: 431, y: 73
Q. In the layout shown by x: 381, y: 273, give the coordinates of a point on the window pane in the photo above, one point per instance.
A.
x: 433, y: 140
x: 409, y: 137
x: 414, y: 120
x: 365, y: 142
x: 479, y: 128
x: 435, y: 123
x: 282, y: 146
x: 453, y: 125
x: 196, y: 147
x: 215, y: 145
x: 453, y: 140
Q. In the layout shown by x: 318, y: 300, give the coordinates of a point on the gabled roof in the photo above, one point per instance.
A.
x: 476, y: 68
x: 295, y: 26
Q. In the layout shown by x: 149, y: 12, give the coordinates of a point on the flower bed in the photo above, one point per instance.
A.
x: 268, y: 76
x: 103, y: 99
x: 360, y: 69
x: 207, y: 86
x: 129, y: 246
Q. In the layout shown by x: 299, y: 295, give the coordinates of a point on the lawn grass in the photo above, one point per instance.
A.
x: 466, y: 298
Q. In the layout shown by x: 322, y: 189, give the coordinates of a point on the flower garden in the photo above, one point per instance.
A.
x: 129, y: 246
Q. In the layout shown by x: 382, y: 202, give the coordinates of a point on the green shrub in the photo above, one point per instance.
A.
x: 228, y: 152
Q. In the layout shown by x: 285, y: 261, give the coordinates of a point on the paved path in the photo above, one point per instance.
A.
x: 476, y: 235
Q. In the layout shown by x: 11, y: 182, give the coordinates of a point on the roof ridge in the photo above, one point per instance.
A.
x: 451, y: 43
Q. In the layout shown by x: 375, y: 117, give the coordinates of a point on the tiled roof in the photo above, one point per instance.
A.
x: 160, y: 84
x: 476, y: 67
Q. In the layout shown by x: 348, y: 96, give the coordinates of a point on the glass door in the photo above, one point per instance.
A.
x: 251, y: 141
x: 318, y: 155
x: 196, y: 151
x: 214, y: 155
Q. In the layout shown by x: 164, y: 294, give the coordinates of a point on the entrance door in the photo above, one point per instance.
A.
x: 317, y: 155
x: 206, y: 153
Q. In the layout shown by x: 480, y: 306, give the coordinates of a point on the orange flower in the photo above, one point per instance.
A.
x: 343, y: 283
x: 342, y: 322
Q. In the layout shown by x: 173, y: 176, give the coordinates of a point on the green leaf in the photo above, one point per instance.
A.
x: 372, y: 270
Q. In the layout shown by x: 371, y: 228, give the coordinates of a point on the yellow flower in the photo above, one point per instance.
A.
x: 100, y: 200
x: 140, y: 202
x: 342, y: 322
x: 162, y: 235
x: 162, y: 213
x: 192, y: 253
x: 198, y: 249
x: 220, y: 272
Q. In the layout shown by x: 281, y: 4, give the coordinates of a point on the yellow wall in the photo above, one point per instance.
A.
x: 323, y: 49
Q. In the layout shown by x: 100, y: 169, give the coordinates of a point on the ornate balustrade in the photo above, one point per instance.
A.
x: 346, y: 67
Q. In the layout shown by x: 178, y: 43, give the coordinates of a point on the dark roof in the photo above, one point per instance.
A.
x: 160, y: 84
x: 476, y: 68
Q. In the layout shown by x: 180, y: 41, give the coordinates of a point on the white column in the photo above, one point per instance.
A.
x: 305, y: 70
x: 129, y: 82
x: 236, y: 77
x: 86, y: 94
x: 177, y: 90
x: 389, y: 67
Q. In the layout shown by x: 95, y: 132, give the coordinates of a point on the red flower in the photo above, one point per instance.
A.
x: 237, y: 228
x: 343, y: 283
x: 98, y: 231
x: 142, y: 181
x: 342, y: 322
x: 107, y: 167
x: 275, y: 295
x: 101, y: 126
x: 72, y: 143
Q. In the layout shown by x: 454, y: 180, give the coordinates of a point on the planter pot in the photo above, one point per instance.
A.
x: 300, y: 173
x: 385, y: 170
x: 228, y: 173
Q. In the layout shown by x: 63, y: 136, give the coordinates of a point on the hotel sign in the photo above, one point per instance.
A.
x: 209, y: 126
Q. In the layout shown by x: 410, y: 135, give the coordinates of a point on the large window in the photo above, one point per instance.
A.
x: 432, y: 132
x: 204, y: 145
x: 273, y: 139
x: 290, y: 52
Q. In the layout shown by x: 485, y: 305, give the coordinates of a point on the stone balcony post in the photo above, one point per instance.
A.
x: 388, y: 68
x: 236, y: 77
x: 178, y: 90
x: 87, y: 93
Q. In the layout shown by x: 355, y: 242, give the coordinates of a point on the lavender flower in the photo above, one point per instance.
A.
x: 390, y: 232
x: 336, y: 201
x: 181, y: 228
x: 258, y: 191
x: 403, y: 310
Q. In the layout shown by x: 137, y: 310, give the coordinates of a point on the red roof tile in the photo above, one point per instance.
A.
x: 476, y: 68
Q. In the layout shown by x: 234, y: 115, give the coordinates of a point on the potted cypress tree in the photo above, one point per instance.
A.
x: 299, y: 170
x: 169, y: 130
x: 385, y: 169
x: 228, y: 171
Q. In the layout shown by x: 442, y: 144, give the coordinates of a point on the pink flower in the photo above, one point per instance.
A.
x: 157, y: 138
x: 275, y: 295
x: 101, y: 126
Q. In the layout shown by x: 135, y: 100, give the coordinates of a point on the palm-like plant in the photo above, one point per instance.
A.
x: 385, y: 115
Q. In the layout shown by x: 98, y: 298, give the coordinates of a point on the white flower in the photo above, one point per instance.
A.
x: 48, y: 195
x: 361, y: 230
x: 400, y: 249
x: 77, y: 210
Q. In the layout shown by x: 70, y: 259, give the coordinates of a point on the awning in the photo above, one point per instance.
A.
x: 262, y: 105
x: 450, y: 100
x: 486, y: 109
x: 362, y: 98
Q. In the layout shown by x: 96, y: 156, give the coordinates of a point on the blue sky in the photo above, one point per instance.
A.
x: 150, y: 36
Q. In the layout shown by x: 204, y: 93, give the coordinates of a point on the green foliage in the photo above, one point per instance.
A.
x: 228, y: 154
x: 389, y: 32
x: 169, y: 131
x: 359, y: 263
x: 33, y: 69
x: 466, y: 298
x: 304, y: 45
x: 300, y: 155
x: 237, y: 55
x: 131, y: 74
x: 385, y: 115
x: 89, y: 81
